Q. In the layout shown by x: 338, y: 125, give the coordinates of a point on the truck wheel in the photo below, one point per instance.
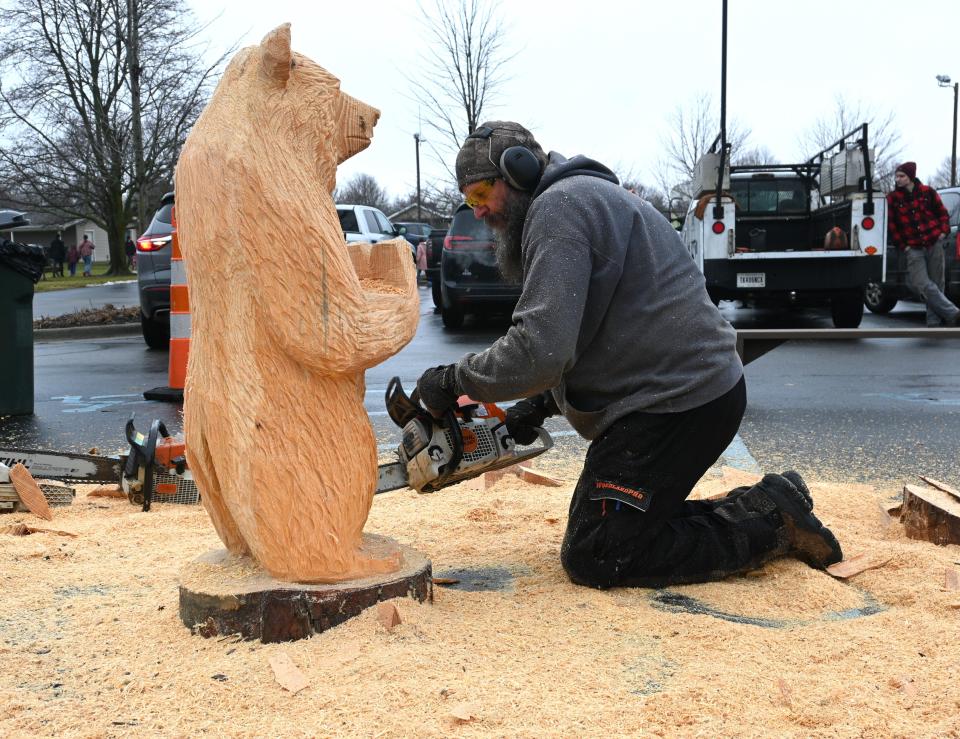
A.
x: 155, y: 334
x: 436, y: 293
x: 847, y: 309
x: 877, y: 300
x: 450, y: 312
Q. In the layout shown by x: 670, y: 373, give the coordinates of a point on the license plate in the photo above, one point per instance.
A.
x: 751, y: 279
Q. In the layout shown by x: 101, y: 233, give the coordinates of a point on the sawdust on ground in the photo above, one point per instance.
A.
x: 92, y: 645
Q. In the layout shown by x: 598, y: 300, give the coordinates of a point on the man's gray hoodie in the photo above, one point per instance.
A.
x: 614, y: 316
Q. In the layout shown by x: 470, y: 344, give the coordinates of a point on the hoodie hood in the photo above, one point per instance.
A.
x: 559, y: 168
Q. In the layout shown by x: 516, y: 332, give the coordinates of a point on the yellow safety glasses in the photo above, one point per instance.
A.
x: 481, y: 193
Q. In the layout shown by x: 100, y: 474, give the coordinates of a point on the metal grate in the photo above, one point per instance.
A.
x: 58, y: 495
x: 187, y: 493
x: 486, y: 444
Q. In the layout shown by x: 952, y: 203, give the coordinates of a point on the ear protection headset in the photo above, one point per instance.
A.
x: 518, y: 165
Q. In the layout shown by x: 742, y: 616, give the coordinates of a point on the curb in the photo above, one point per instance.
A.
x: 107, y: 331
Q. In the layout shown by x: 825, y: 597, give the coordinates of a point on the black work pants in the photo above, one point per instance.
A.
x: 630, y: 523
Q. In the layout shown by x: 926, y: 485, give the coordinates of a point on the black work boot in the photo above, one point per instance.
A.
x: 794, y: 477
x: 810, y: 541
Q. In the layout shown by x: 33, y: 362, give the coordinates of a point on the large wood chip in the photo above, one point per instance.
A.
x: 29, y: 492
x: 388, y: 615
x: 951, y: 579
x: 464, y: 712
x: 941, y: 486
x: 287, y: 674
x: 857, y: 564
x: 107, y: 491
x: 21, y: 529
x: 530, y: 475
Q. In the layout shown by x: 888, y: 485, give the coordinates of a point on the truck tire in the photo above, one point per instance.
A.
x: 877, y: 299
x: 156, y: 334
x: 436, y: 293
x: 450, y: 312
x: 847, y: 309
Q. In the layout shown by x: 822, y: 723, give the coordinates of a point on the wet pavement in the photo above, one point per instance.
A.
x: 878, y: 409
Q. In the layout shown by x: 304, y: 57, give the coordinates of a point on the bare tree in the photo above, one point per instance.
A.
x: 462, y: 68
x: 96, y: 100
x: 693, y: 128
x: 941, y: 178
x: 363, y: 189
x: 884, y: 138
x: 753, y: 155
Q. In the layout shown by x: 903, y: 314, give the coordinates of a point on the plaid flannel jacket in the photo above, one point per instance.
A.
x: 916, y: 220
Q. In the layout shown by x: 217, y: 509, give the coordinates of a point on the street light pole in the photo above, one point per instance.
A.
x: 416, y: 139
x: 944, y: 81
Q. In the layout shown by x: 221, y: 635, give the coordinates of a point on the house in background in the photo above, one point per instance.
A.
x: 44, y: 227
x: 408, y: 214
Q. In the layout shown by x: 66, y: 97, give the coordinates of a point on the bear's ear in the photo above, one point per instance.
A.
x: 275, y: 54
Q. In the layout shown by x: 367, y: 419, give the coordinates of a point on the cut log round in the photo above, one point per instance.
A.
x: 222, y: 594
x: 931, y: 515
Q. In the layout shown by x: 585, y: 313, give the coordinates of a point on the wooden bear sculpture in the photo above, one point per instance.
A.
x: 285, y: 317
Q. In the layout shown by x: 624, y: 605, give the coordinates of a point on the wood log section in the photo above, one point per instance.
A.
x: 931, y: 515
x: 285, y: 318
x: 223, y: 594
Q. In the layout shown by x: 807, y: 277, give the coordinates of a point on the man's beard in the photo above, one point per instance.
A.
x: 508, y: 234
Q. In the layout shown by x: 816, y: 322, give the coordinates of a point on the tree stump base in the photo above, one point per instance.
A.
x: 930, y: 515
x: 221, y: 595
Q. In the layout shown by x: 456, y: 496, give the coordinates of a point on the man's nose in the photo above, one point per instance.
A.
x: 479, y: 211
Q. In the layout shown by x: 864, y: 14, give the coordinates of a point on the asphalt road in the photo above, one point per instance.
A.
x: 878, y: 410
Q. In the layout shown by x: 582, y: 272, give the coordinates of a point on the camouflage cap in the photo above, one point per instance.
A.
x: 479, y: 156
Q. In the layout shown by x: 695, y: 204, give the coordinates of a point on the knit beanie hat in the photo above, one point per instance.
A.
x: 479, y: 158
x: 909, y: 169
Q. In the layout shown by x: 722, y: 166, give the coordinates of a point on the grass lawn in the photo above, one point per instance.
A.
x: 50, y: 283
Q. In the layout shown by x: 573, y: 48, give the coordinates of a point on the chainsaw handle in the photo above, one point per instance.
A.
x: 456, y: 439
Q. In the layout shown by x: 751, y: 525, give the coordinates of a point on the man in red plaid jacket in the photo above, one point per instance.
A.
x: 918, y: 223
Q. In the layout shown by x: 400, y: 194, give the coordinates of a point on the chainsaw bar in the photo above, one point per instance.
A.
x: 393, y: 475
x: 45, y: 465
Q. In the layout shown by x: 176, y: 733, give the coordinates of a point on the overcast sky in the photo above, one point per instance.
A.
x: 602, y: 77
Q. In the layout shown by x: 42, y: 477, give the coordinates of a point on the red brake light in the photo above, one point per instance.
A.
x: 457, y: 242
x: 718, y: 227
x: 867, y: 223
x: 152, y: 243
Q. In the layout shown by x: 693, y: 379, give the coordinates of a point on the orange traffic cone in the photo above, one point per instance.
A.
x: 179, y: 325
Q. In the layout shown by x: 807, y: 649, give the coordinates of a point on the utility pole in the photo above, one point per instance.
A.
x: 944, y: 81
x: 133, y: 60
x: 416, y: 141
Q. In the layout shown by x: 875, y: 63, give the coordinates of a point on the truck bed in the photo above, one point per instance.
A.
x: 800, y: 232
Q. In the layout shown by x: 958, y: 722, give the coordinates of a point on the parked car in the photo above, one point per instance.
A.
x: 365, y: 223
x: 434, y: 252
x: 882, y: 297
x: 470, y: 279
x: 153, y: 276
x: 413, y: 232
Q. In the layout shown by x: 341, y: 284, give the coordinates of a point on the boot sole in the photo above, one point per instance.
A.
x: 813, y: 542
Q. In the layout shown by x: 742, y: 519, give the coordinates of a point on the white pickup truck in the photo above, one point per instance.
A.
x: 811, y: 234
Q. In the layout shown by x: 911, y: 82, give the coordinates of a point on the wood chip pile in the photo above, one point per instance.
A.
x: 91, y: 643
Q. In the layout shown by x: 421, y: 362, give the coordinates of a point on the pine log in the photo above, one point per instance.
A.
x: 931, y: 515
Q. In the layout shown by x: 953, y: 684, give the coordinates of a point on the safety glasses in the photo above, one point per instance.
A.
x: 480, y: 193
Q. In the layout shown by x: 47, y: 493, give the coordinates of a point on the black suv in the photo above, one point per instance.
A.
x: 882, y: 297
x: 153, y: 276
x: 470, y: 278
x: 434, y: 252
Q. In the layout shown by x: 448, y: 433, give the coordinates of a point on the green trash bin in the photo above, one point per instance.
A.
x: 21, y: 266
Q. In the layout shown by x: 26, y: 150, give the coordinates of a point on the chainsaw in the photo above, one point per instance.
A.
x: 154, y: 465
x: 434, y: 453
x: 466, y: 441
